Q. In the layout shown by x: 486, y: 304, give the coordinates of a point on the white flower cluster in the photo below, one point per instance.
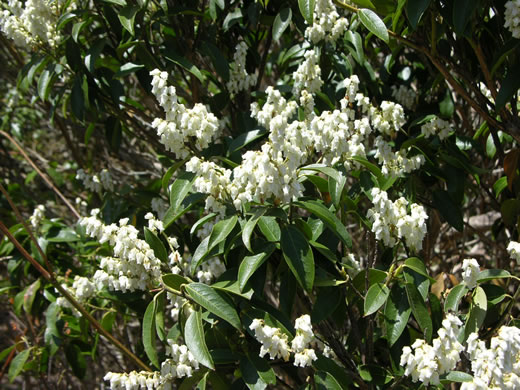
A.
x: 274, y: 341
x: 427, y: 362
x: 470, y: 272
x: 210, y: 269
x: 308, y: 75
x: 82, y: 289
x: 134, y: 265
x: 159, y: 206
x: 406, y: 96
x: 391, y: 221
x: 37, y: 216
x: 496, y: 367
x: 395, y: 163
x: 175, y: 304
x: 32, y: 22
x: 134, y: 380
x: 153, y: 223
x: 436, y: 126
x: 239, y: 79
x: 327, y: 24
x: 512, y: 17
x: 514, y: 250
x: 303, y: 355
x: 180, y: 364
x: 183, y: 127
x: 97, y: 182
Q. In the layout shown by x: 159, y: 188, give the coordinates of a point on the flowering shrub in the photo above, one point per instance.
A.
x: 310, y: 194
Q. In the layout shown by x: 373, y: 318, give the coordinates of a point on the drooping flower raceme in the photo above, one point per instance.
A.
x: 134, y: 380
x: 391, y: 221
x: 327, y: 23
x: 274, y: 341
x: 97, y: 182
x: 239, y: 79
x: 514, y: 250
x: 304, y: 356
x: 436, y: 126
x: 180, y: 364
x: 183, y: 127
x: 496, y: 367
x: 134, y: 264
x: 82, y: 289
x: 470, y: 272
x: 512, y: 17
x: 308, y: 75
x: 37, y: 216
x: 404, y: 95
x: 425, y: 363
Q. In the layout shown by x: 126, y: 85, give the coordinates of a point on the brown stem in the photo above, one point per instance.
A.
x: 52, y: 279
x: 43, y: 175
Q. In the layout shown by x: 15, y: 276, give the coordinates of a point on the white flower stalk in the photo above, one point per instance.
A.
x: 97, y: 182
x: 37, y: 216
x: 396, y: 163
x: 274, y: 341
x: 239, y: 79
x: 388, y: 119
x: 180, y: 364
x: 82, y: 289
x: 134, y: 380
x: 304, y: 356
x: 425, y: 363
x: 210, y: 270
x: 153, y: 223
x: 175, y: 304
x: 327, y: 24
x: 391, y: 221
x: 470, y: 272
x: 308, y: 75
x: 405, y: 96
x: 32, y: 22
x: 514, y: 250
x: 436, y: 126
x: 512, y: 17
x: 134, y: 265
x: 182, y: 127
x: 496, y: 367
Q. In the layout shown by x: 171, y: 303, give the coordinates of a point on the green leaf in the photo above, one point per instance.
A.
x: 201, y: 222
x: 455, y: 295
x: 148, y: 333
x: 6, y: 352
x: 77, y: 99
x: 374, y: 24
x: 195, y: 341
x: 219, y: 60
x: 245, y: 139
x: 117, y: 2
x: 421, y: 282
x: 184, y: 63
x: 228, y: 283
x: 338, y: 372
x: 443, y: 202
x: 249, y: 227
x: 127, y: 69
x: 307, y: 10
x: 415, y: 10
x: 16, y: 366
x: 500, y: 185
x: 298, y: 256
x: 127, y: 17
x: 491, y: 274
x: 336, y: 189
x: 30, y: 294
x: 281, y: 22
x: 214, y: 301
x: 45, y: 83
x: 354, y: 38
x: 397, y: 312
x: 331, y: 172
x: 416, y: 264
x: 376, y: 297
x: 221, y: 231
x: 76, y: 360
x: 250, y: 264
x: 250, y: 375
x: 173, y: 282
x: 327, y: 301
x: 156, y: 244
x: 186, y: 205
x: 269, y: 228
x: 508, y: 87
x: 456, y: 376
x: 477, y: 312
x: 333, y: 222
x: 325, y: 381
x: 419, y: 310
x: 462, y: 12
x: 180, y: 189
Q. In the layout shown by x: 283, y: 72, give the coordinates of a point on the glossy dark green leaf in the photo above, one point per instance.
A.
x: 127, y: 69
x: 180, y: 189
x: 418, y: 266
x: 454, y: 296
x: 336, y: 189
x: 250, y: 226
x: 149, y: 335
x: 250, y: 375
x: 354, y: 38
x: 325, y: 381
x: 419, y: 310
x: 421, y: 282
x: 127, y: 17
x: 491, y: 274
x: 77, y: 99
x: 374, y: 24
x: 173, y: 282
x: 462, y: 12
x: 76, y: 360
x: 30, y: 295
x: 156, y: 244
x: 448, y: 209
x: 477, y: 312
x: 327, y: 301
x: 221, y: 231
x: 329, y: 218
x: 219, y: 60
x: 456, y: 376
x: 250, y: 264
x: 269, y: 228
x: 184, y: 63
x: 330, y: 366
x: 281, y: 22
x: 508, y: 87
x: 376, y: 297
x: 45, y: 83
x: 307, y: 10
x: 298, y: 256
x: 245, y: 139
x: 16, y: 366
x: 397, y: 312
x: 415, y: 10
x: 214, y: 301
x: 195, y: 340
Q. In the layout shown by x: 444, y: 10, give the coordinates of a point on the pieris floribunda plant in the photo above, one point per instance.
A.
x: 310, y: 194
